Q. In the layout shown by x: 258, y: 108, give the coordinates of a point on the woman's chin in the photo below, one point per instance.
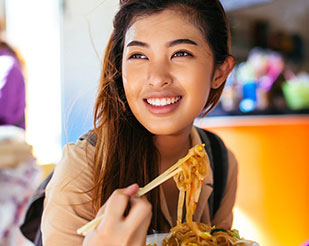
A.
x: 158, y: 131
x: 167, y: 128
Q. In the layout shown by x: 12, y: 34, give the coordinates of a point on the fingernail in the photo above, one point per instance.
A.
x: 132, y: 189
x: 133, y: 185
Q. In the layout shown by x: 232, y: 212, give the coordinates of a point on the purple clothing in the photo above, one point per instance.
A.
x: 12, y: 90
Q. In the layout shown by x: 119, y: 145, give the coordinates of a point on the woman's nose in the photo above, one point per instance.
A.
x: 159, y: 75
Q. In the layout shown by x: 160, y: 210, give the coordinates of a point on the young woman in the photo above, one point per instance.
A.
x: 166, y: 63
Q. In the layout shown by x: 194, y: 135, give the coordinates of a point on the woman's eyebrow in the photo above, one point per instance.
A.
x: 169, y: 44
x: 137, y: 43
x: 181, y: 41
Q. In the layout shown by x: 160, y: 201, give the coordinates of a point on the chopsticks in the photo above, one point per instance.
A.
x: 153, y: 184
x: 164, y: 176
x: 90, y: 225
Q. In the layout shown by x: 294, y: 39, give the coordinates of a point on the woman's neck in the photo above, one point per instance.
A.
x: 172, y: 147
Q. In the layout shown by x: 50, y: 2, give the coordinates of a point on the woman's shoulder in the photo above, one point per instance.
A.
x: 80, y: 153
x: 75, y: 166
x: 68, y: 196
x: 232, y: 162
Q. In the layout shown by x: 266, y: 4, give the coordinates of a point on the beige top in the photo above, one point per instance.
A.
x: 68, y: 206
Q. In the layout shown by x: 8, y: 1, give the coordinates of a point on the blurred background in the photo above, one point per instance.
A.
x: 263, y: 115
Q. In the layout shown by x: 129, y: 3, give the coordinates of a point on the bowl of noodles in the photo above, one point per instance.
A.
x: 190, y: 233
x: 185, y: 237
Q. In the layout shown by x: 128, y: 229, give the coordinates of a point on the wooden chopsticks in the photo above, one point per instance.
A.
x: 142, y: 191
x: 164, y: 176
x: 90, y: 225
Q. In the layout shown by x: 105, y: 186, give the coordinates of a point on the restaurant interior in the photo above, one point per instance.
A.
x: 262, y: 116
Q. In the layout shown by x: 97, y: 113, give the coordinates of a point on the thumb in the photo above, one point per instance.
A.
x: 130, y: 190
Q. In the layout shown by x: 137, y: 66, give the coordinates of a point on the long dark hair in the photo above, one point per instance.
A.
x: 125, y: 152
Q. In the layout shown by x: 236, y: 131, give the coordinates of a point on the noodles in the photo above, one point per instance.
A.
x: 189, y: 182
x: 185, y: 236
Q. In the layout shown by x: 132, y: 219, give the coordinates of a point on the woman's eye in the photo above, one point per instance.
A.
x: 138, y: 56
x: 181, y: 54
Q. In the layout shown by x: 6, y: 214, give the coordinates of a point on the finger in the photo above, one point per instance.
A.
x: 117, y: 204
x: 139, y: 218
x: 113, y: 212
x: 101, y: 210
x: 141, y: 210
x: 131, y: 190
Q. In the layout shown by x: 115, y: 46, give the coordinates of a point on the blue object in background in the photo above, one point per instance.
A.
x: 249, y: 101
x: 230, y: 5
x: 249, y: 91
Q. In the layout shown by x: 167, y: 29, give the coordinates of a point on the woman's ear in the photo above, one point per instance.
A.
x: 222, y: 72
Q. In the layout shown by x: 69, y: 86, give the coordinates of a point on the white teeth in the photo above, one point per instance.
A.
x: 163, y: 101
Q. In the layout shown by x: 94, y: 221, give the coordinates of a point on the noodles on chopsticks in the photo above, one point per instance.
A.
x: 189, y: 181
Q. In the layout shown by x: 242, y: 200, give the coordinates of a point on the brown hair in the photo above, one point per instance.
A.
x: 125, y: 152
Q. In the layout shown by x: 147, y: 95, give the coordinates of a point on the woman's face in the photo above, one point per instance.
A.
x: 167, y: 68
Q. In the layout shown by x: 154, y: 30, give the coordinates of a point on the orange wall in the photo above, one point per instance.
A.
x: 273, y: 174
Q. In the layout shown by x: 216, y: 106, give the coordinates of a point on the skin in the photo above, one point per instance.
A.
x: 116, y: 229
x: 160, y: 68
x: 163, y: 61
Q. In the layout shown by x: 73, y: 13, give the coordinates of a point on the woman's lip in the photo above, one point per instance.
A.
x: 161, y: 94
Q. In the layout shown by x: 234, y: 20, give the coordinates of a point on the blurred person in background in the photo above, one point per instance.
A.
x: 18, y: 178
x: 12, y: 86
x: 18, y: 168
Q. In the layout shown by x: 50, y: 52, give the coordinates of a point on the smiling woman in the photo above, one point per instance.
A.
x: 156, y: 79
x: 175, y: 65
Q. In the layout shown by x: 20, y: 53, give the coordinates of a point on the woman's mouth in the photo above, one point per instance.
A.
x: 163, y: 101
x: 162, y: 105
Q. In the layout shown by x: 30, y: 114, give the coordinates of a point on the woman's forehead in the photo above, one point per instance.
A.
x: 167, y: 24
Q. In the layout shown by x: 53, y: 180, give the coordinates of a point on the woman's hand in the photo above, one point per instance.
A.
x: 118, y: 229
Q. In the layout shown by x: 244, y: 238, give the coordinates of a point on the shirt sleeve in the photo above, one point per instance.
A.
x: 67, y: 204
x: 224, y: 216
x: 12, y: 99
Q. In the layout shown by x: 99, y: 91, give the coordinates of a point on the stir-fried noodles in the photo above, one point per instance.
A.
x: 189, y: 182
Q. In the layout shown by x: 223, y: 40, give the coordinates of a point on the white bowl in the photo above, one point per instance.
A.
x: 156, y: 238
